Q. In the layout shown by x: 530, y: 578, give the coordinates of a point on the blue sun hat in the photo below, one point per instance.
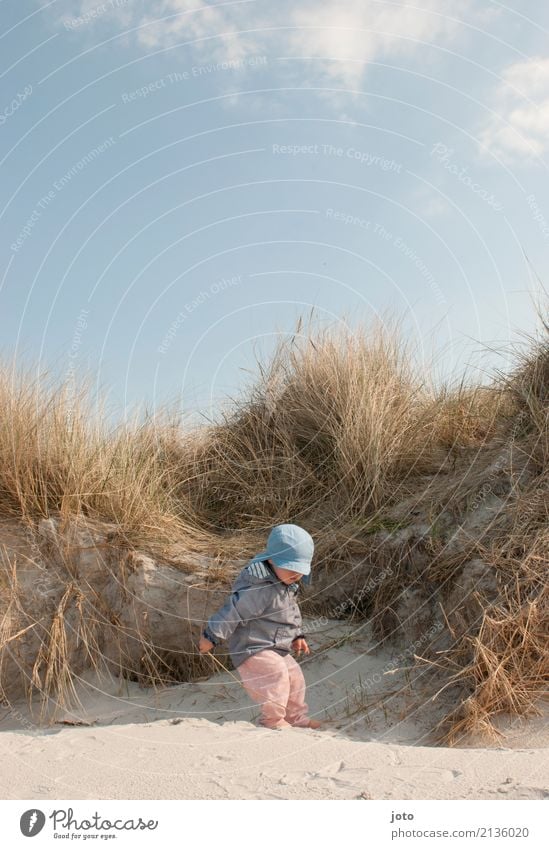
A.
x: 290, y: 547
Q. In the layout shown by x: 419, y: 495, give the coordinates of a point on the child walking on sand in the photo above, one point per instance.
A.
x: 262, y: 621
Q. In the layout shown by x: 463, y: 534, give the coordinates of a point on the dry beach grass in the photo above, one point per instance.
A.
x: 442, y: 488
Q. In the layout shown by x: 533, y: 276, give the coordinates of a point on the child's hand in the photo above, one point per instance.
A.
x: 205, y: 645
x: 300, y: 645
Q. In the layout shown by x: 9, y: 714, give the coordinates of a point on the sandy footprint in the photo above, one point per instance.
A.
x: 431, y: 773
x: 335, y: 775
x: 520, y: 791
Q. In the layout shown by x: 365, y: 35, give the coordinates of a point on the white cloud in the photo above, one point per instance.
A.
x: 343, y: 35
x: 520, y: 129
x: 215, y: 28
x: 361, y: 31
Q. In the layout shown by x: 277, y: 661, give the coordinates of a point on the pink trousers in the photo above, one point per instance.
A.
x: 276, y: 682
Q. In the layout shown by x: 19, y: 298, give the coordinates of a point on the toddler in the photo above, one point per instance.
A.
x: 262, y: 621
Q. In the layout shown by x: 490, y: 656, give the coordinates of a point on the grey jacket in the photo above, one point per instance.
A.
x: 261, y: 613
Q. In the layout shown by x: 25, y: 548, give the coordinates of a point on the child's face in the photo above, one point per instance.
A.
x: 286, y: 575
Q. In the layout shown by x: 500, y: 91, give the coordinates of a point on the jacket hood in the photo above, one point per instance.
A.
x: 256, y: 572
x: 258, y: 560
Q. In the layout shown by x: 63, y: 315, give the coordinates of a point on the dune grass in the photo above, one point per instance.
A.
x: 336, y: 428
x: 58, y: 457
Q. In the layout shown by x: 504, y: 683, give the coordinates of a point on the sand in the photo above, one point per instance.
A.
x: 201, y: 740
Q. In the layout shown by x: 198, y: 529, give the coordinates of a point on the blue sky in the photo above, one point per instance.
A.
x: 182, y: 180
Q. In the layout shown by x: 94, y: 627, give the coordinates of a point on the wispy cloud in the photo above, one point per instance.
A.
x: 520, y: 129
x: 346, y: 36
x: 334, y: 39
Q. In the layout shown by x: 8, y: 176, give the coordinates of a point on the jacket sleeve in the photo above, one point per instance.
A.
x: 241, y: 606
x: 298, y: 623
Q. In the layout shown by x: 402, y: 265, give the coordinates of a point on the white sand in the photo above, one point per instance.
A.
x: 199, y: 741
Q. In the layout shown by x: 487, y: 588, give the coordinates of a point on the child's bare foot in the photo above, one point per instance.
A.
x: 311, y: 723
